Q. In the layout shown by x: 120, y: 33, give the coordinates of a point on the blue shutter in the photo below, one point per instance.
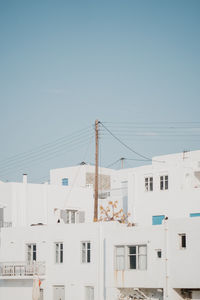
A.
x: 194, y: 215
x: 157, y: 220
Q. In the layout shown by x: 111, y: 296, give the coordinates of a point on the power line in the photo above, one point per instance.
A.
x: 135, y: 159
x: 153, y: 122
x: 44, y: 158
x: 121, y: 142
x: 124, y: 158
x: 75, y: 135
x: 45, y: 150
x: 114, y: 163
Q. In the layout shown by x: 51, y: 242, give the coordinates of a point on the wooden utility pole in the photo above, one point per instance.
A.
x: 122, y: 162
x: 96, y: 171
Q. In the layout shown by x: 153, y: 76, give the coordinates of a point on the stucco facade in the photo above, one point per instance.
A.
x: 155, y: 258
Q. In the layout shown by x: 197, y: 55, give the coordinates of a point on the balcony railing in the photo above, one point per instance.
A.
x: 5, y: 224
x: 23, y: 269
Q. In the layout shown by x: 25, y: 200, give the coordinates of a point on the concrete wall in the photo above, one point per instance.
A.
x: 77, y: 175
x: 28, y: 204
x: 184, y: 263
x: 182, y: 196
x: 176, y: 269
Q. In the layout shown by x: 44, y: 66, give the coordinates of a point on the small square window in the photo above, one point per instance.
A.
x: 65, y: 181
x: 159, y: 253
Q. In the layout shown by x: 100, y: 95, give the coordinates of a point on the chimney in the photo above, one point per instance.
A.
x: 25, y: 178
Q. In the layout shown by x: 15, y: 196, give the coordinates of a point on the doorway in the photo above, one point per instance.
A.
x: 59, y: 292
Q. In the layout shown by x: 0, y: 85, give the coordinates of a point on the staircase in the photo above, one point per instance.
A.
x: 132, y: 294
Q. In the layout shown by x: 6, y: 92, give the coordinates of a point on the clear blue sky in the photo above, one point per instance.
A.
x: 65, y: 63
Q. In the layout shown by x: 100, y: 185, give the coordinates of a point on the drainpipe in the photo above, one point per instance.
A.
x: 99, y: 279
x: 166, y: 284
x: 101, y: 264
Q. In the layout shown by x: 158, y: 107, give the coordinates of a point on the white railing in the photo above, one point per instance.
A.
x: 22, y: 268
x: 5, y: 224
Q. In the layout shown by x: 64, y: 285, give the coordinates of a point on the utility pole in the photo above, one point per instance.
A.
x: 96, y: 171
x: 122, y: 162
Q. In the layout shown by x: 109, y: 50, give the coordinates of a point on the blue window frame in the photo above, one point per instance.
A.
x: 192, y: 215
x: 157, y: 220
x: 65, y: 181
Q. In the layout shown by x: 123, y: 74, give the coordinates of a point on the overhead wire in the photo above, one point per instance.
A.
x: 113, y: 163
x: 43, y: 148
x: 118, y: 160
x: 152, y: 122
x: 126, y: 146
x: 45, y: 157
x: 53, y: 149
x: 127, y: 130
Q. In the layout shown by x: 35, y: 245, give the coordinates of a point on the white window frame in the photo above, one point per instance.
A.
x: 59, y: 252
x: 33, y: 252
x: 85, y: 252
x: 127, y: 256
x: 148, y: 183
x: 71, y: 216
x: 164, y: 182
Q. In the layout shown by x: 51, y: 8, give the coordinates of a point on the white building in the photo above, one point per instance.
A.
x: 158, y: 258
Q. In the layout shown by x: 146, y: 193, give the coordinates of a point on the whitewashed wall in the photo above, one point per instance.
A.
x: 182, y: 268
x: 35, y: 203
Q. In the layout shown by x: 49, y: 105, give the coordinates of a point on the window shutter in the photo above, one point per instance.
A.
x: 1, y: 217
x: 81, y: 218
x: 63, y: 215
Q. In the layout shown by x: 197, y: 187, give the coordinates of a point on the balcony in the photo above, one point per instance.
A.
x: 24, y: 270
x: 5, y: 224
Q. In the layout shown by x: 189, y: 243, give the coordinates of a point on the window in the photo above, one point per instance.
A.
x: 71, y: 216
x: 182, y: 240
x: 131, y: 257
x: 86, y: 252
x: 65, y: 181
x: 89, y: 293
x: 59, y: 253
x: 31, y: 252
x: 193, y: 215
x: 148, y: 182
x: 157, y: 220
x: 164, y: 182
x: 159, y: 253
